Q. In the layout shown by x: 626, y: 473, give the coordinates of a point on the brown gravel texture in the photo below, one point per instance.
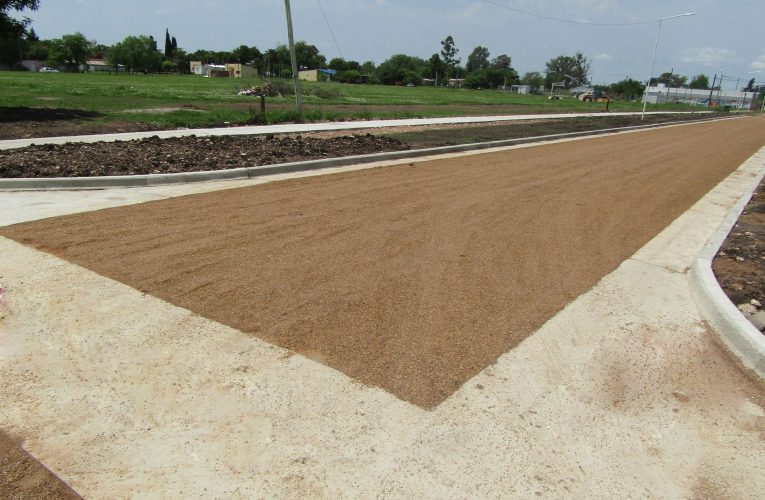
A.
x: 414, y: 277
x: 740, y: 264
x: 184, y: 154
x: 24, y: 478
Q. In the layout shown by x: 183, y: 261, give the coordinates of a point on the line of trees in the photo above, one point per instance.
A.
x: 140, y: 53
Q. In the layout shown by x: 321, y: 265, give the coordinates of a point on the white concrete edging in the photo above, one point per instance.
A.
x: 736, y: 332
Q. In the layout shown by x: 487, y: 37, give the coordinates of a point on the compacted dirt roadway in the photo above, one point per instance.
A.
x: 413, y: 277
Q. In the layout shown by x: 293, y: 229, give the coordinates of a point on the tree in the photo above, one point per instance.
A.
x: 501, y: 62
x: 478, y: 59
x: 449, y: 51
x: 136, y: 53
x: 348, y: 76
x: 98, y: 50
x: 627, y: 89
x: 13, y: 32
x: 340, y: 64
x: 402, y: 69
x: 581, y: 69
x: 570, y: 70
x: 247, y: 55
x: 749, y: 87
x: 670, y: 80
x: 557, y: 69
x: 276, y: 60
x: 168, y: 45
x: 368, y: 68
x: 700, y: 82
x: 533, y: 79
x: 71, y: 51
x: 437, y: 68
x: 308, y: 56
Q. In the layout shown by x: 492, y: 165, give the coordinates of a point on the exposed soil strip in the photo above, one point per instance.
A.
x: 740, y: 264
x: 24, y: 478
x: 195, y: 154
x: 414, y: 277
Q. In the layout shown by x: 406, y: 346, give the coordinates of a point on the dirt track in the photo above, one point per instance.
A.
x: 412, y: 277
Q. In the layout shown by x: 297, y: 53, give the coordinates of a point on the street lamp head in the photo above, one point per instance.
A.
x: 678, y: 15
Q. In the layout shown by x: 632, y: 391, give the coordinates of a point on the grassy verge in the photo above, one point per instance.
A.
x: 192, y: 101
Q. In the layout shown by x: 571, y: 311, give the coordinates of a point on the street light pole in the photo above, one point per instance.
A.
x: 758, y: 94
x: 653, y: 59
x: 293, y: 57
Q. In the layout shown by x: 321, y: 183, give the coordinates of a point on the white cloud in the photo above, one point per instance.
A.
x: 602, y: 57
x: 759, y: 63
x: 707, y: 56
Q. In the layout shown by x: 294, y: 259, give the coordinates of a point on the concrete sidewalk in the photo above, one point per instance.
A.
x: 624, y: 393
x: 292, y: 128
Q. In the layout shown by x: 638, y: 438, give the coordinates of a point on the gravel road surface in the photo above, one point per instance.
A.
x: 414, y: 277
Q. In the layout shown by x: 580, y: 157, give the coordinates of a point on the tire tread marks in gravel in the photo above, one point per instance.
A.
x: 412, y: 277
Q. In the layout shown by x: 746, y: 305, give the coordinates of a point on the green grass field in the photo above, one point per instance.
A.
x: 156, y: 99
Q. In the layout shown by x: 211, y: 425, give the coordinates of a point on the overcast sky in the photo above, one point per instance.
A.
x: 723, y: 36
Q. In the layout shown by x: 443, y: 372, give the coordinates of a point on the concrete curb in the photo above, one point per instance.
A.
x: 102, y: 182
x: 736, y: 332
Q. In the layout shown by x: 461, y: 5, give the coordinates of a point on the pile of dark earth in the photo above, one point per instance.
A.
x: 740, y: 263
x: 182, y: 154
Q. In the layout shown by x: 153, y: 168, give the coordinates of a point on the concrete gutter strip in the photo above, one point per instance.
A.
x: 736, y: 332
x: 291, y: 128
x: 101, y: 182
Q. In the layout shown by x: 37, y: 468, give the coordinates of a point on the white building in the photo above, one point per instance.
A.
x: 662, y: 94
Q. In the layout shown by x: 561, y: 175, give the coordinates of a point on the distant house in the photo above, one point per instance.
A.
x: 456, y: 82
x: 197, y: 68
x: 521, y: 89
x: 316, y: 75
x: 101, y: 66
x: 229, y: 70
x: 237, y: 70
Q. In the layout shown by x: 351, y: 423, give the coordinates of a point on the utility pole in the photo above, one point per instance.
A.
x: 293, y: 56
x: 711, y: 91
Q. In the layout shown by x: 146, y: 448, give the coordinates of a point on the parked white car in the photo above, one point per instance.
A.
x: 46, y: 69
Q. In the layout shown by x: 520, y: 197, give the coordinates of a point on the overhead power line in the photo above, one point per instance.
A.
x: 331, y: 32
x: 561, y: 20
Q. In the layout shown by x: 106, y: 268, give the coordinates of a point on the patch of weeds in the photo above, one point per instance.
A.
x: 282, y: 88
x: 327, y: 93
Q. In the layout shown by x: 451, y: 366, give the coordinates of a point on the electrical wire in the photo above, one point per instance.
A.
x: 560, y: 20
x: 331, y: 32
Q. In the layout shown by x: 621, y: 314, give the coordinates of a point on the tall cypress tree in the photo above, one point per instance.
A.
x: 168, y: 45
x: 174, y: 45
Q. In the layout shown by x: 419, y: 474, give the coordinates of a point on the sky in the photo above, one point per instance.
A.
x: 723, y: 37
